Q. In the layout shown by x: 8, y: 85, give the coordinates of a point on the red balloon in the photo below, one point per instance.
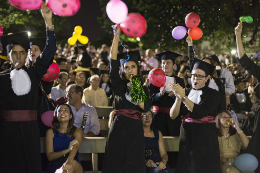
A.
x: 52, y: 73
x: 134, y: 25
x: 195, y: 33
x: 192, y: 20
x: 157, y: 77
x: 64, y: 7
x: 47, y: 118
x: 26, y: 5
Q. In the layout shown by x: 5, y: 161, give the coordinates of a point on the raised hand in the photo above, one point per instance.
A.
x: 117, y: 29
x: 189, y: 41
x: 238, y: 29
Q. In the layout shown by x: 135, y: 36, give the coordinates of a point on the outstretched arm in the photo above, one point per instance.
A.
x: 240, y: 48
x: 114, y: 48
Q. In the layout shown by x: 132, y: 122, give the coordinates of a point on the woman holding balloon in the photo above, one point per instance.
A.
x: 230, y: 138
x: 125, y: 144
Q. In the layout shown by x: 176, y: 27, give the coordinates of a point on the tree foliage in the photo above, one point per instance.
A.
x: 218, y: 20
x: 14, y: 20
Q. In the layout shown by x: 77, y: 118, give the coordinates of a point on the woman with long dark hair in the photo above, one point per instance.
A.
x: 156, y: 157
x: 231, y: 138
x: 125, y: 144
x: 63, y: 141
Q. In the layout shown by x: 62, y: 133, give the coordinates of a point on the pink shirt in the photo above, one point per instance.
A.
x: 152, y: 62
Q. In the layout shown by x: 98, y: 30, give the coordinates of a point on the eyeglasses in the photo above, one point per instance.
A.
x: 198, y: 76
x: 147, y: 116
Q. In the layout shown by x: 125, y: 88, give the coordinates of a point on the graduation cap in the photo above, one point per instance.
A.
x: 168, y: 55
x: 40, y: 42
x: 238, y: 81
x: 104, y: 72
x: 95, y: 70
x: 206, y: 67
x: 133, y: 56
x: 145, y: 72
x: 16, y: 39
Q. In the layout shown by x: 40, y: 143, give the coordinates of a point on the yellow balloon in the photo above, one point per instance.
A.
x: 76, y: 34
x: 72, y: 40
x: 83, y: 39
x: 78, y: 29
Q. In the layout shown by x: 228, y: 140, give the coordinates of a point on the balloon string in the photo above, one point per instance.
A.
x: 121, y: 43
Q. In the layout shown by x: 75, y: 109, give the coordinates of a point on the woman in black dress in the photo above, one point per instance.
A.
x: 199, y: 149
x: 125, y: 144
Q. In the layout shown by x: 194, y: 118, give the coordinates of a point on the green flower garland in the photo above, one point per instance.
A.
x: 137, y: 91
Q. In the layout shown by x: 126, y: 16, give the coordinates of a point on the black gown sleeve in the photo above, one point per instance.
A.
x: 50, y: 47
x: 207, y: 105
x: 148, y: 103
x: 44, y: 60
x: 250, y: 66
x: 191, y: 56
x: 116, y: 81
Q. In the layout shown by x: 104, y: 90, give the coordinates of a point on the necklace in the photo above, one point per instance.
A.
x: 226, y: 136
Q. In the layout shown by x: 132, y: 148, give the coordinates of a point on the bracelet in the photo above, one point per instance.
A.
x: 240, y: 132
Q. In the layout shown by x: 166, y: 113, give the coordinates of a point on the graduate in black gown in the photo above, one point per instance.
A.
x: 20, y: 144
x: 253, y: 69
x: 125, y: 151
x: 163, y: 98
x: 198, y: 148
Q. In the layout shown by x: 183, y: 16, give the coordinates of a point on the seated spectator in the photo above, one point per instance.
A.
x: 62, y: 63
x: 63, y: 141
x: 241, y: 103
x: 156, y: 157
x: 81, y: 79
x: 230, y: 138
x: 94, y: 95
x: 60, y: 90
x: 149, y: 62
x: 79, y: 108
x: 72, y: 76
x: 105, y: 82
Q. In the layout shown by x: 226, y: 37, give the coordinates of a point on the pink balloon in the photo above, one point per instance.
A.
x: 26, y: 4
x: 1, y: 31
x: 47, y: 118
x: 134, y: 25
x: 64, y: 7
x: 116, y: 11
x: 52, y: 73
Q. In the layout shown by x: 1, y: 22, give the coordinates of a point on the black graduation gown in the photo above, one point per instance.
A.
x: 254, y: 143
x: 125, y: 150
x: 20, y: 144
x: 44, y: 105
x: 199, y: 147
x: 162, y: 121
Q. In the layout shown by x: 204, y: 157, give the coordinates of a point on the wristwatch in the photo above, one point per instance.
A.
x: 183, y: 98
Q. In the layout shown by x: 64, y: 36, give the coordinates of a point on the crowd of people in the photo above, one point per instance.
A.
x: 210, y: 102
